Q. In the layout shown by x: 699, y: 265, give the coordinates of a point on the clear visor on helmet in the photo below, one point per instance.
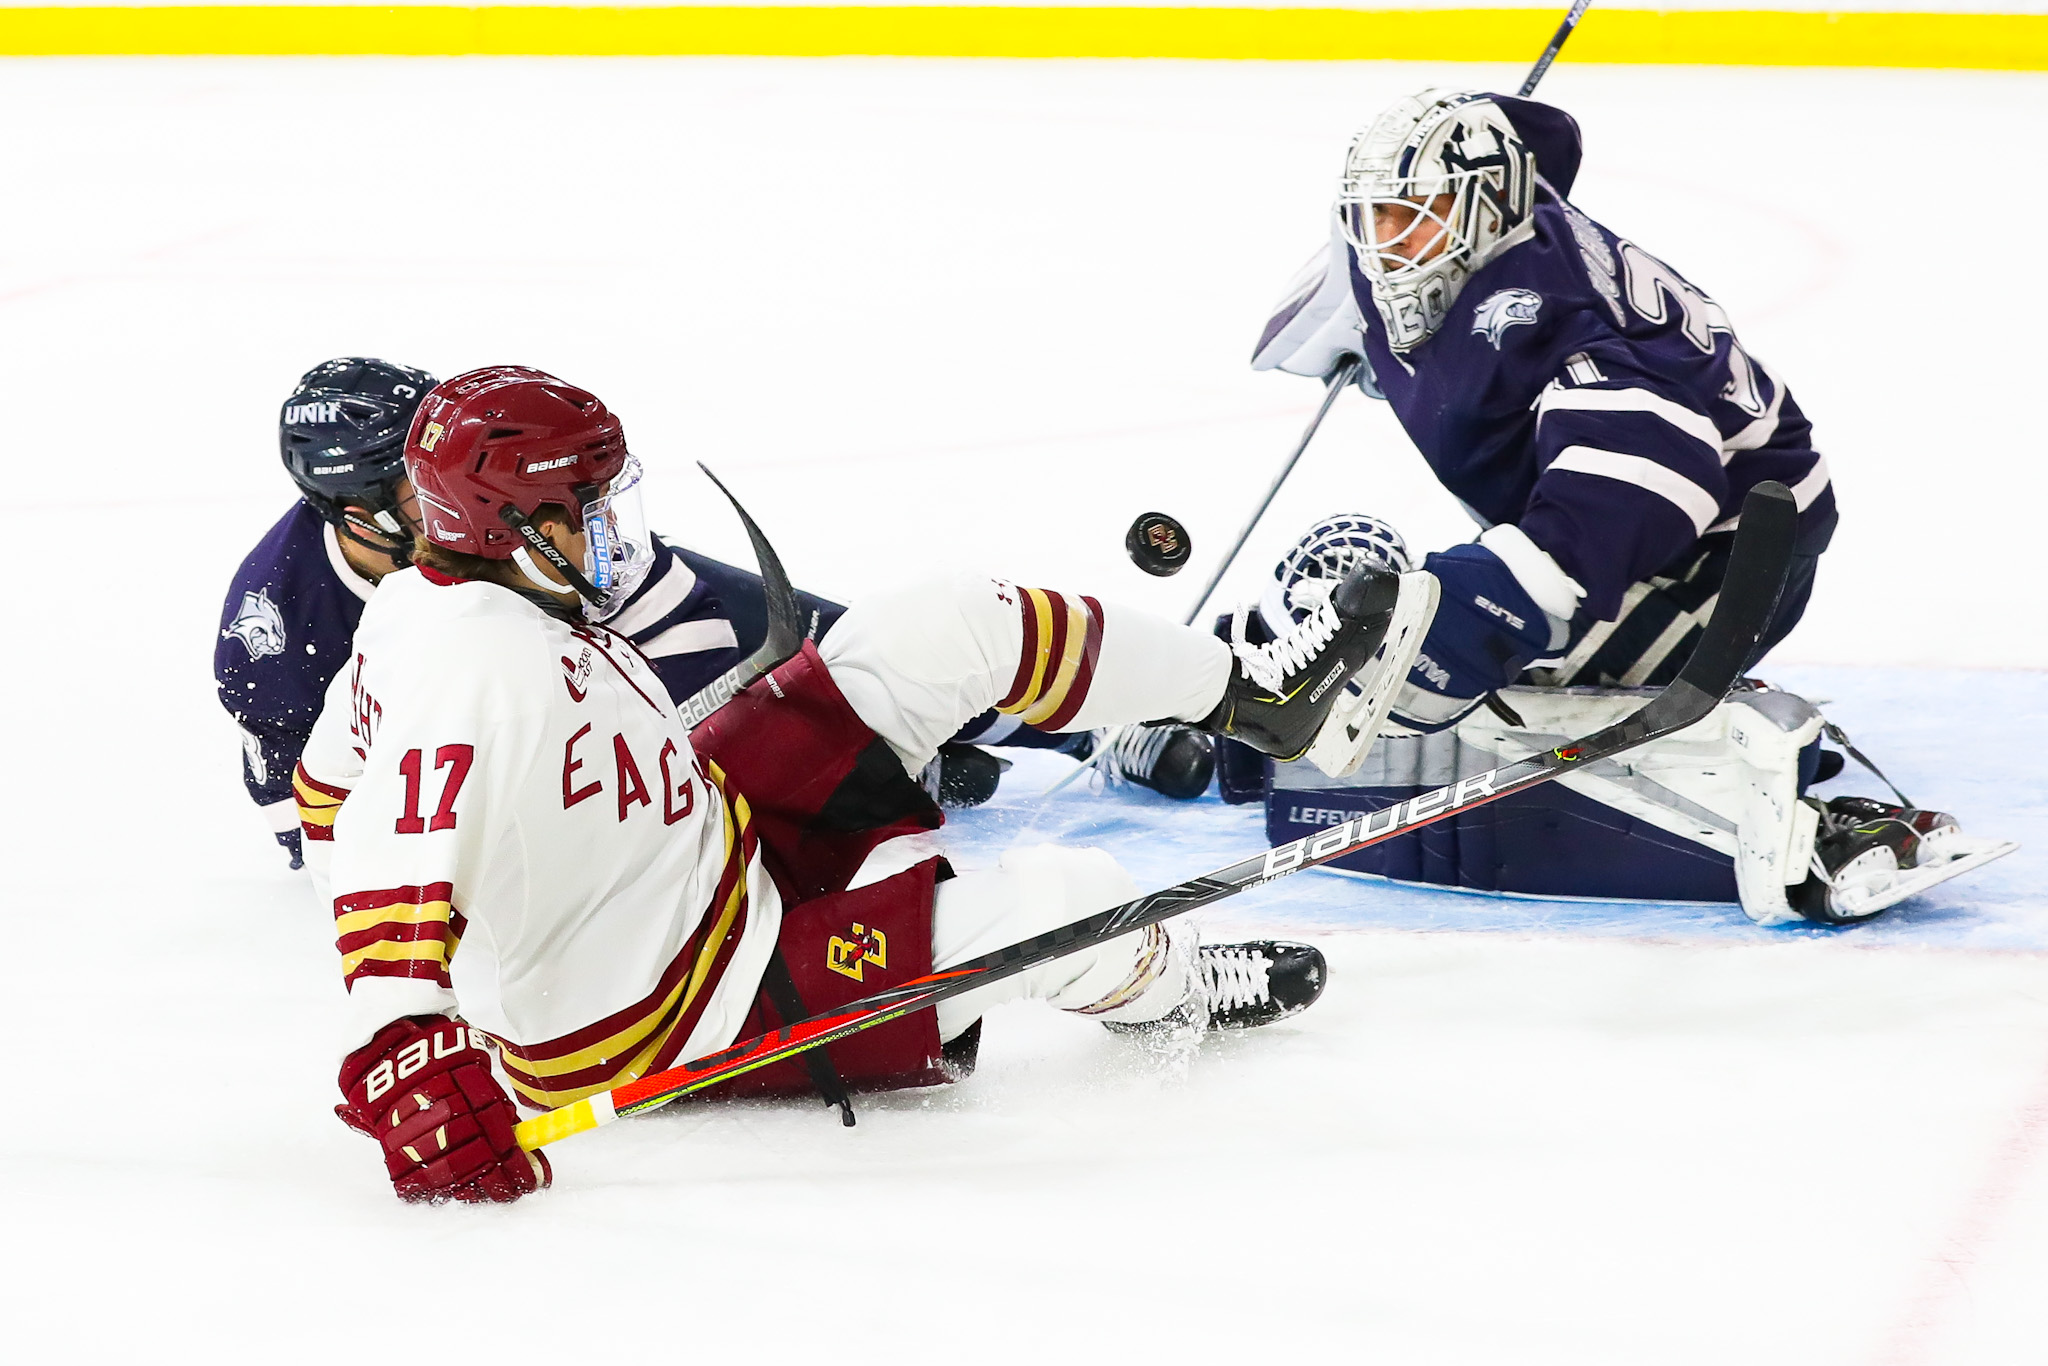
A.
x: 1405, y: 227
x: 618, y: 549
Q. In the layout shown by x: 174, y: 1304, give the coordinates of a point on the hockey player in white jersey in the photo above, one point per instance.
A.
x: 494, y: 772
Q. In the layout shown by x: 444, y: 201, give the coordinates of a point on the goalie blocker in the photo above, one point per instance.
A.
x: 1714, y: 813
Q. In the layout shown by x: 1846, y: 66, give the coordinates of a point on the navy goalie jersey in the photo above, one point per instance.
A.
x: 1581, y: 391
x: 292, y: 610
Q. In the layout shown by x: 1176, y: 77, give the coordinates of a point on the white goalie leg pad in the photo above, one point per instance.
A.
x: 1354, y: 722
x: 1775, y: 831
x: 1729, y: 782
x: 1139, y: 977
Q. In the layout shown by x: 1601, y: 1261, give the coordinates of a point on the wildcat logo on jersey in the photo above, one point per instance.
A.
x: 1504, y: 309
x: 258, y: 625
x: 849, y: 957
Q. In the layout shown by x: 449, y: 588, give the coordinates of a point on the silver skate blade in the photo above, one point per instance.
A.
x: 1354, y: 722
x: 1912, y: 881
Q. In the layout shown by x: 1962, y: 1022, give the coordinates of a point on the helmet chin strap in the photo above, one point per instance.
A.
x: 523, y: 558
x: 540, y: 545
x: 398, y: 548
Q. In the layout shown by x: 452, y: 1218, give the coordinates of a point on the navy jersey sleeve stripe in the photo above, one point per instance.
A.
x: 691, y: 637
x: 1690, y: 421
x: 1699, y: 505
x: 667, y: 590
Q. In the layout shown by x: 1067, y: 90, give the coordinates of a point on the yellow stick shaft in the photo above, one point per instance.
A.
x: 566, y: 1122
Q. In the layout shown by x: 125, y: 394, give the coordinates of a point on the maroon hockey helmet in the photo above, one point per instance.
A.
x: 488, y: 448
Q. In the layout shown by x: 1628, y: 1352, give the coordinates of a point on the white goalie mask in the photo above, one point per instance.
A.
x: 618, y: 549
x: 1438, y: 186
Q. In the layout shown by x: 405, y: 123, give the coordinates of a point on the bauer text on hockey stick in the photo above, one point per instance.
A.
x: 1756, y: 573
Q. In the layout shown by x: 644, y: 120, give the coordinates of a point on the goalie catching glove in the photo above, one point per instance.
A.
x: 423, y: 1089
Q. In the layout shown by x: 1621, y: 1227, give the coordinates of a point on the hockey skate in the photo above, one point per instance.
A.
x: 1240, y: 986
x: 1871, y: 855
x: 1172, y: 759
x: 1323, y: 689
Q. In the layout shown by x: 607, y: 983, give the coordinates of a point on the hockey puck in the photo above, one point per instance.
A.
x: 1158, y: 544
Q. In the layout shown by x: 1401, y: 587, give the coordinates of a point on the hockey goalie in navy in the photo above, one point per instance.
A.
x: 1595, y: 413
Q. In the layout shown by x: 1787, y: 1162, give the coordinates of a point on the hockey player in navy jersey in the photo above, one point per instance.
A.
x: 1595, y: 413
x: 296, y: 598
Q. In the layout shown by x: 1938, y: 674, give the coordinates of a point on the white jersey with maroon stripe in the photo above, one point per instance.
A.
x: 482, y: 768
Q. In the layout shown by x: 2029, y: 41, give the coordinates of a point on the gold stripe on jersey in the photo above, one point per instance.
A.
x: 435, y: 951
x: 403, y: 913
x: 630, y: 1051
x: 635, y: 1034
x: 398, y: 932
x: 317, y: 802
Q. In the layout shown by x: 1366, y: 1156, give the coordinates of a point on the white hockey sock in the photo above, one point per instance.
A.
x: 1139, y: 977
x: 919, y: 662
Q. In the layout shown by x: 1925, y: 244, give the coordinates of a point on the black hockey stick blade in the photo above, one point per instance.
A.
x: 785, y: 622
x: 1757, y: 568
x: 785, y: 617
x: 1754, y: 581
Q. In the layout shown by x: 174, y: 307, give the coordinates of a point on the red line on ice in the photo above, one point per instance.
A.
x: 1947, y: 1272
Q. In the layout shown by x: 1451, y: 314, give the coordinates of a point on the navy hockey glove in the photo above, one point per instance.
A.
x: 423, y: 1089
x: 1487, y: 630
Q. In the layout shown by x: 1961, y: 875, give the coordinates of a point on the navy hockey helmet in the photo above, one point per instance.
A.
x: 342, y: 435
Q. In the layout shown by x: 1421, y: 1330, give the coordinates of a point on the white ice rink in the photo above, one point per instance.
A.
x: 983, y: 313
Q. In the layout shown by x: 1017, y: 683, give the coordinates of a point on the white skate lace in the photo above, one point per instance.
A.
x: 1269, y: 665
x: 1130, y: 752
x: 1234, y: 976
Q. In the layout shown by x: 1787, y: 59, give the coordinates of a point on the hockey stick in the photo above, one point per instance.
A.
x: 785, y: 630
x: 1339, y: 377
x: 1748, y: 600
x: 1564, y: 31
x: 1344, y: 373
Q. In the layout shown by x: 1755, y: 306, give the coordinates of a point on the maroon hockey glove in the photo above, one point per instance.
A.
x: 423, y: 1089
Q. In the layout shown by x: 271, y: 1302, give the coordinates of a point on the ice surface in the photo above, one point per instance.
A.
x: 982, y: 314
